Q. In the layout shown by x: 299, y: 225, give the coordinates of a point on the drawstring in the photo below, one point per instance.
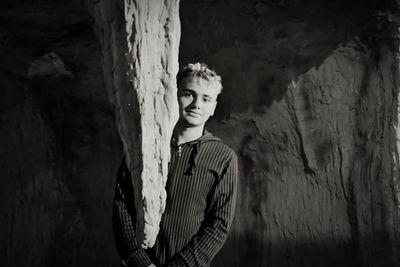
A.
x: 195, y: 149
x: 192, y: 159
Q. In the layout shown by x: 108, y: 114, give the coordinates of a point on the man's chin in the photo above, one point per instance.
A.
x: 193, y: 123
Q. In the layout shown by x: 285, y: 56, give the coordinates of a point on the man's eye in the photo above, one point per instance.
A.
x: 187, y: 95
x: 208, y: 100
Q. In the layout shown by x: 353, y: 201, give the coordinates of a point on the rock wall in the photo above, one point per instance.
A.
x: 59, y: 148
x: 309, y: 104
x: 140, y: 63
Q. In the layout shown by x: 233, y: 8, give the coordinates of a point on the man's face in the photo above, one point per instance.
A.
x: 197, y: 100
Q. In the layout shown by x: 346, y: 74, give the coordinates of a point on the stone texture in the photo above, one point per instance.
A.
x: 309, y: 104
x: 140, y: 57
x: 50, y: 65
x: 59, y: 148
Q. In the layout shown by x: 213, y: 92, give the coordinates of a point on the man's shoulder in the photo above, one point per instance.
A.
x: 218, y: 156
x: 219, y: 148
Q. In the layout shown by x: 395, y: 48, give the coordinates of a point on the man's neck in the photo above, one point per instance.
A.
x: 183, y: 134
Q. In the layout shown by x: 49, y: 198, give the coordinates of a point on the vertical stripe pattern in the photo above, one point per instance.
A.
x: 201, y: 199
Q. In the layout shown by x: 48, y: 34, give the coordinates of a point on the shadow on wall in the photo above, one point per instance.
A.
x: 294, y: 183
x: 260, y: 47
x: 60, y: 149
x: 320, y: 253
x: 51, y: 205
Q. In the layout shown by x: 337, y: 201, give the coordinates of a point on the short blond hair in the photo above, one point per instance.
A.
x: 202, y: 71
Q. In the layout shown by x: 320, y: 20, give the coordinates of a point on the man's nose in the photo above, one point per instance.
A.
x: 196, y: 102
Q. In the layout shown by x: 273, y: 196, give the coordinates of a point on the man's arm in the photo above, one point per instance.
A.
x: 214, y: 230
x: 124, y: 222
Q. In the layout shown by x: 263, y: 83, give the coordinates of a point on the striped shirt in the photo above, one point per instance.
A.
x: 201, y: 198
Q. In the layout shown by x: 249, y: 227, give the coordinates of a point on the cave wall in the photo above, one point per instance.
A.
x: 85, y: 83
x: 60, y: 149
x: 309, y: 104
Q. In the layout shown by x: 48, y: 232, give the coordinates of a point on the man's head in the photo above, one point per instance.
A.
x: 198, y: 89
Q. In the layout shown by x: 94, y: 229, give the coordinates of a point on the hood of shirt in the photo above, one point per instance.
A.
x: 195, y: 146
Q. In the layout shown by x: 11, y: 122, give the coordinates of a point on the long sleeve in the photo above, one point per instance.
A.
x: 124, y: 222
x: 214, y: 230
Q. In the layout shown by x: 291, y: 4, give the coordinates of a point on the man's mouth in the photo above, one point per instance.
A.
x: 193, y: 113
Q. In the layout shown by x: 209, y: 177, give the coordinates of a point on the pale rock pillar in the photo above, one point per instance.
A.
x: 139, y: 43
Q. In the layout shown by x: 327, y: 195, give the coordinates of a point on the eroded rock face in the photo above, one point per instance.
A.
x: 153, y: 43
x: 60, y: 150
x: 140, y: 56
x: 309, y: 102
x: 49, y: 65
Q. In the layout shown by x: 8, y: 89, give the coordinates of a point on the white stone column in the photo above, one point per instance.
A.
x: 139, y: 42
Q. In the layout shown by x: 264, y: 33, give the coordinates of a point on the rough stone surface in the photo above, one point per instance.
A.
x: 59, y: 148
x: 49, y: 65
x: 140, y: 56
x: 309, y: 104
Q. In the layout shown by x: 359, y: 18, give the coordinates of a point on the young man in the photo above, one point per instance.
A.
x: 201, y: 186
